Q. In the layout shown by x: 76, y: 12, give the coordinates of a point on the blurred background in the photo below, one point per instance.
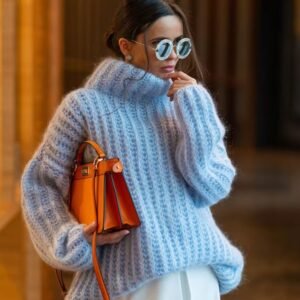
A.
x: 250, y: 54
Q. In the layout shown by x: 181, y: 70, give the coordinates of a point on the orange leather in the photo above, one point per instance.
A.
x: 99, y: 192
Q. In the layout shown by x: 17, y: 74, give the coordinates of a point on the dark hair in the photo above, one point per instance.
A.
x: 136, y: 16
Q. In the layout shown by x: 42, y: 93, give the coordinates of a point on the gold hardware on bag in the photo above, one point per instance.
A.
x: 85, y: 171
x: 96, y: 161
x: 117, y: 167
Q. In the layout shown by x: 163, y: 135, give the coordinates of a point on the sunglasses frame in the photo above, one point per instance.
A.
x: 171, y: 43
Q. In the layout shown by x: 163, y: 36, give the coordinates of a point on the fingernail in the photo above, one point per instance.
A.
x: 127, y: 232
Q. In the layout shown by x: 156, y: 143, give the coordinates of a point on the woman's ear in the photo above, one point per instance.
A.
x: 125, y: 47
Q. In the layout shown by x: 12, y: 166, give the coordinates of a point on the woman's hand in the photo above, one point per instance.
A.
x: 180, y: 80
x: 105, y: 238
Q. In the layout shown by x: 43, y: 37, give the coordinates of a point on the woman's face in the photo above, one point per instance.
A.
x: 169, y: 27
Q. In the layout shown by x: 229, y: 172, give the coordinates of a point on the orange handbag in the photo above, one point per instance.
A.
x: 99, y: 192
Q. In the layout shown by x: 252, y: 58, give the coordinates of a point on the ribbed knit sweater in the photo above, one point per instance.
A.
x: 176, y: 167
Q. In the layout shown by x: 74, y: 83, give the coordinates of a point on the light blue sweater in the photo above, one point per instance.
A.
x: 176, y: 167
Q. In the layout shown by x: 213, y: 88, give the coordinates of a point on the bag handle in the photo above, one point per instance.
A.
x: 80, y: 151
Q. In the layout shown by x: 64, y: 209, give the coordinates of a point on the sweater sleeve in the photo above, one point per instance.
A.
x: 200, y: 153
x: 56, y: 235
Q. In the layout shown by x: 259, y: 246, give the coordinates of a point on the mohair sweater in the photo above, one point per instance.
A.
x: 176, y: 167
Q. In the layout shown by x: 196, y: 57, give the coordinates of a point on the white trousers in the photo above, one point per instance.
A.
x: 196, y: 283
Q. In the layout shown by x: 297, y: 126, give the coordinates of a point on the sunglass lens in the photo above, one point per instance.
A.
x: 164, y: 49
x: 184, y: 48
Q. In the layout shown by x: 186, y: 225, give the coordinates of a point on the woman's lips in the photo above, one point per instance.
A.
x: 168, y: 69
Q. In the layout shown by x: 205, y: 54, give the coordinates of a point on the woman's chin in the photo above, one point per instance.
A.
x: 163, y: 75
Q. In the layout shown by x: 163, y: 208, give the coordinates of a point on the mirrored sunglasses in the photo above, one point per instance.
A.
x: 164, y: 48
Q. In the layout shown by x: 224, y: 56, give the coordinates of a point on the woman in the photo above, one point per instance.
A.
x: 163, y: 125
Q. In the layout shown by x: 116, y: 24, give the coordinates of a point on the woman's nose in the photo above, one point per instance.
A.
x: 173, y: 54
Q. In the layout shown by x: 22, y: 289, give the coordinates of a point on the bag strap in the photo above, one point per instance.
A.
x: 79, y: 154
x: 96, y: 264
x: 60, y: 279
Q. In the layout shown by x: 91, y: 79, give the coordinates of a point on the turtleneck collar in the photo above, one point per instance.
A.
x: 119, y: 78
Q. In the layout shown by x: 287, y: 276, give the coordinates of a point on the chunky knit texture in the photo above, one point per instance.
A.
x: 176, y: 167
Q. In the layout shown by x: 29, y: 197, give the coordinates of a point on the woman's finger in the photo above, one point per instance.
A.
x: 182, y: 84
x: 179, y: 75
x: 180, y: 81
x: 172, y: 92
x: 89, y: 229
x: 175, y: 87
x: 111, y: 238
